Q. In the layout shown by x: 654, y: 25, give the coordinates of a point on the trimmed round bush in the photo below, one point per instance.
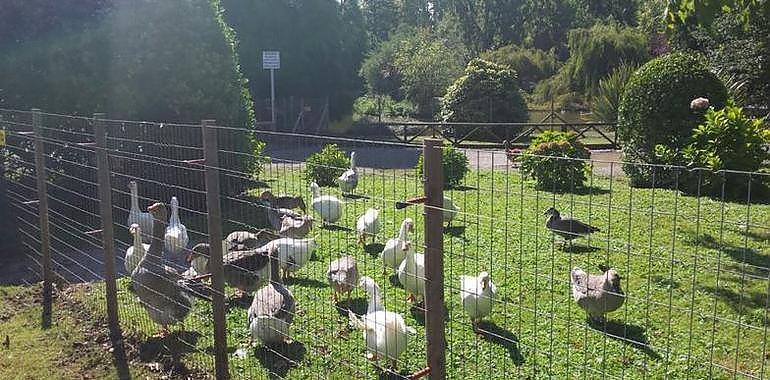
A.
x: 455, y: 165
x: 556, y: 160
x: 488, y: 92
x: 655, y: 109
x: 325, y: 166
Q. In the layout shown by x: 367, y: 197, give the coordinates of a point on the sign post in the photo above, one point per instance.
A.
x: 271, y: 60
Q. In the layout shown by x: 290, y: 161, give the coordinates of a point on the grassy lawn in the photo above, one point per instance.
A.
x: 695, y: 277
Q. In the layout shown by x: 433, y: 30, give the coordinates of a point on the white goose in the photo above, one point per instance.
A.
x: 135, y: 252
x: 272, y: 309
x: 136, y: 216
x: 349, y: 179
x: 395, y: 249
x: 385, y: 332
x: 176, y: 233
x: 477, y: 295
x: 411, y: 274
x: 328, y: 206
x: 368, y: 225
x: 292, y: 254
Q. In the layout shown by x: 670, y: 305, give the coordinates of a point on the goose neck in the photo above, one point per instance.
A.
x: 275, y: 276
x: 353, y: 161
x: 134, y: 199
x: 402, y: 233
x: 375, y: 302
x: 154, y: 256
x: 174, y: 221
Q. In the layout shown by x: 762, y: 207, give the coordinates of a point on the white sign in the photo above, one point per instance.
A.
x: 271, y: 60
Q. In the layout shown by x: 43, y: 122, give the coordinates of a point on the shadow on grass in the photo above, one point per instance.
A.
x: 356, y: 305
x: 755, y: 235
x: 455, y: 231
x: 169, y: 350
x: 243, y: 301
x: 741, y: 305
x: 504, y: 338
x: 578, y: 248
x: 389, y: 374
x: 354, y: 197
x: 332, y: 227
x: 374, y: 249
x: 632, y: 335
x: 394, y: 281
x: 739, y: 254
x: 462, y: 188
x: 306, y: 282
x: 278, y: 359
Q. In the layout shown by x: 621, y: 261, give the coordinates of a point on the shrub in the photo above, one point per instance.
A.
x: 377, y: 105
x: 326, y: 165
x: 727, y: 140
x: 530, y: 65
x: 455, y: 165
x: 555, y: 160
x: 488, y: 92
x: 655, y: 109
x: 604, y: 105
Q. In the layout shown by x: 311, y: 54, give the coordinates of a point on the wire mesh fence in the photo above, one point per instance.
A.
x: 670, y: 281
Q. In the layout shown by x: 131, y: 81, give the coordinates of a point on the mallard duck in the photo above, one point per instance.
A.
x: 296, y: 228
x: 136, y: 216
x: 328, y: 206
x: 136, y: 251
x: 449, y: 210
x: 368, y: 224
x: 176, y: 233
x: 349, y: 179
x: 156, y: 284
x: 395, y: 249
x: 272, y: 309
x: 411, y: 274
x: 568, y: 228
x: 283, y: 201
x: 597, y: 294
x: 385, y: 332
x: 293, y: 254
x: 342, y: 276
x: 477, y: 295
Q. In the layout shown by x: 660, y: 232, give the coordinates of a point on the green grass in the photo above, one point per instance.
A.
x: 696, y: 282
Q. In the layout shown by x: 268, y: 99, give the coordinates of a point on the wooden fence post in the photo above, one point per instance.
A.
x: 108, y: 228
x: 213, y: 205
x: 42, y: 195
x: 434, y: 263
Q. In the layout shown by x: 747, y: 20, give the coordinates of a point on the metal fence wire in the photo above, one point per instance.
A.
x: 494, y: 277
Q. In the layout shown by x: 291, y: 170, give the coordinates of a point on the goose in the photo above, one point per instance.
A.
x: 156, y: 285
x: 176, y: 233
x: 272, y: 310
x: 597, y: 294
x: 296, y: 228
x: 567, y: 228
x: 283, y: 201
x: 246, y: 269
x: 349, y: 179
x: 328, y: 206
x: 198, y: 258
x: 135, y: 252
x: 449, y: 210
x: 246, y: 240
x: 477, y: 295
x: 293, y: 254
x: 368, y: 224
x: 385, y: 332
x: 395, y: 249
x: 342, y: 276
x: 136, y: 216
x: 275, y: 216
x: 411, y: 274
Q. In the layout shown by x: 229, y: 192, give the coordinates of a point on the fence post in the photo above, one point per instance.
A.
x: 213, y: 205
x: 434, y: 263
x: 108, y: 228
x: 42, y: 207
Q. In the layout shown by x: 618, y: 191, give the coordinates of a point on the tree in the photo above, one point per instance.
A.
x: 381, y: 19
x: 704, y: 12
x: 530, y: 65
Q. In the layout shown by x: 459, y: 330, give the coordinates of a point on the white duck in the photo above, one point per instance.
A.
x: 135, y: 252
x: 176, y: 233
x: 411, y: 274
x: 368, y: 225
x: 385, y: 332
x: 449, y: 210
x: 349, y: 179
x: 136, y: 216
x: 292, y: 254
x: 328, y: 206
x: 395, y: 249
x: 477, y: 295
